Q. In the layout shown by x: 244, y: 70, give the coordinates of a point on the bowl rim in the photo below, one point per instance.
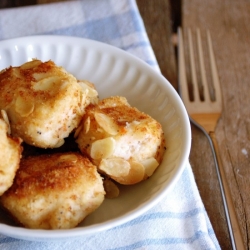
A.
x: 40, y: 234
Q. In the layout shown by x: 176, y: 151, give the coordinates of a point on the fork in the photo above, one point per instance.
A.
x: 204, y: 107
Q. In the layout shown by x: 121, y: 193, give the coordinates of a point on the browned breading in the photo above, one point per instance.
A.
x: 54, y: 191
x: 43, y: 101
x: 10, y: 154
x: 125, y: 143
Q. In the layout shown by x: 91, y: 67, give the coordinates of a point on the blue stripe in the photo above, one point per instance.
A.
x: 151, y: 62
x: 136, y: 45
x: 165, y: 241
x: 105, y: 29
x: 143, y: 218
x: 8, y: 240
x: 162, y: 215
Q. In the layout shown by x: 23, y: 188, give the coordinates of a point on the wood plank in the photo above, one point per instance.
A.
x: 15, y: 3
x: 157, y: 20
x: 228, y: 24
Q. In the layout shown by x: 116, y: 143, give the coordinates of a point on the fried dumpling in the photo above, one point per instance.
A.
x: 10, y: 155
x: 54, y: 191
x: 126, y: 144
x: 43, y: 101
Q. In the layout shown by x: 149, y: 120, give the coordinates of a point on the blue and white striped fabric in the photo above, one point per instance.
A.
x: 179, y: 221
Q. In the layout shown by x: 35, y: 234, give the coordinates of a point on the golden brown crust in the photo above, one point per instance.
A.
x: 14, y: 77
x: 10, y: 154
x: 114, y: 133
x: 44, y: 103
x: 59, y: 173
x: 54, y: 191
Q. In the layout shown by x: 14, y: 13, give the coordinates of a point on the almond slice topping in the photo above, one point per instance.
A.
x: 23, y: 107
x: 68, y: 157
x: 106, y: 123
x: 48, y: 83
x: 135, y: 175
x: 102, y: 148
x: 86, y: 125
x: 6, y: 119
x: 115, y: 167
x: 150, y: 165
x: 112, y: 191
x: 31, y: 64
x: 91, y: 91
x: 78, y: 130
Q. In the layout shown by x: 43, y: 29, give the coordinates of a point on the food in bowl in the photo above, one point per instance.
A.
x: 54, y: 191
x: 43, y: 101
x: 43, y: 111
x: 10, y: 154
x: 125, y: 144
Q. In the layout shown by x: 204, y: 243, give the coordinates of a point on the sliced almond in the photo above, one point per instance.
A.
x: 17, y: 73
x: 64, y: 84
x: 115, y: 167
x: 6, y: 119
x: 113, y: 101
x: 47, y: 83
x: 106, y: 123
x: 102, y: 148
x: 31, y: 64
x: 86, y: 125
x: 68, y: 157
x: 150, y: 165
x: 87, y: 86
x: 83, y: 97
x: 23, y: 107
x: 135, y: 175
x: 78, y: 130
x: 111, y: 189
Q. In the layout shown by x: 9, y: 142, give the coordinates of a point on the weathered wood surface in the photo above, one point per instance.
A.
x: 157, y: 19
x: 156, y: 16
x: 228, y: 22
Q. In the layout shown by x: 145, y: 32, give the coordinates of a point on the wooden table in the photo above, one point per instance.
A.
x: 228, y: 22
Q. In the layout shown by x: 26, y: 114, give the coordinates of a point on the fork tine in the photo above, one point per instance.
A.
x: 215, y: 76
x: 193, y: 68
x: 202, y: 66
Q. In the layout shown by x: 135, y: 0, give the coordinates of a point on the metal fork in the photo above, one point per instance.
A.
x: 204, y: 108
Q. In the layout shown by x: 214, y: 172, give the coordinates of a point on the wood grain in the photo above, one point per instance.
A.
x: 201, y: 158
x: 234, y: 227
x: 228, y: 24
x: 157, y: 20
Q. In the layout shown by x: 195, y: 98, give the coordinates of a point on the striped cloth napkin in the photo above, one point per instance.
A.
x: 179, y: 221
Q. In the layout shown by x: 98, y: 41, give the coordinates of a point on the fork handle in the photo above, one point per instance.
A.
x: 233, y: 224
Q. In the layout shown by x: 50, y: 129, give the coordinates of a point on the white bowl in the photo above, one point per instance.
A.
x: 114, y: 72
